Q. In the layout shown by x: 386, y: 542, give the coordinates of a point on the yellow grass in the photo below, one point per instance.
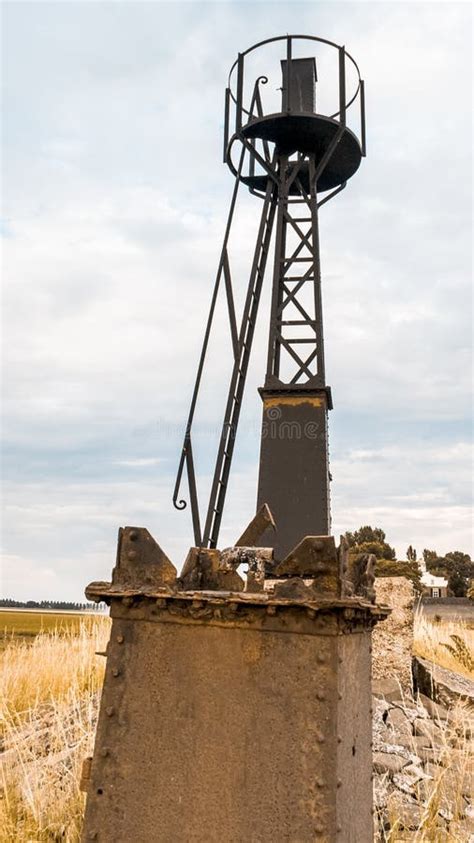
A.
x: 430, y: 639
x: 48, y: 703
x: 19, y: 623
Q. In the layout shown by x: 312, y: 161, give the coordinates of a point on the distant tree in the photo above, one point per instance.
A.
x: 459, y: 559
x: 457, y: 584
x: 411, y: 554
x: 429, y: 556
x: 370, y: 540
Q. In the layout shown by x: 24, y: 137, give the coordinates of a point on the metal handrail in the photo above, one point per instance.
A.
x: 290, y: 38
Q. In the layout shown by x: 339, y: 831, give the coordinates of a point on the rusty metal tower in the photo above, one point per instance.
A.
x: 295, y: 155
x: 240, y: 710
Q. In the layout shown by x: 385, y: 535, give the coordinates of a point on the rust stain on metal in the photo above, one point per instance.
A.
x: 294, y: 401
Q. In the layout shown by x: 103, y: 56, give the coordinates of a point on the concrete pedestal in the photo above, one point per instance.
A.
x: 234, y: 718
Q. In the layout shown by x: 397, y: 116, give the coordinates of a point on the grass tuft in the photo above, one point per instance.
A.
x: 447, y: 643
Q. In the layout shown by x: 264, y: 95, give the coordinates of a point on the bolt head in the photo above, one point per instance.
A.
x: 120, y: 639
x: 104, y: 752
x: 115, y: 671
x: 133, y: 535
x: 110, y: 710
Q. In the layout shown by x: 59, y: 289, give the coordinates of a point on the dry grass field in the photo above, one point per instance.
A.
x: 27, y: 623
x: 49, y: 689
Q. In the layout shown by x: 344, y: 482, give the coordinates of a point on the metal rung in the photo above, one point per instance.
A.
x: 298, y: 322
x: 299, y: 278
x: 301, y: 219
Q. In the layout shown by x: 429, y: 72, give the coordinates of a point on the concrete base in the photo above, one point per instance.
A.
x: 231, y: 718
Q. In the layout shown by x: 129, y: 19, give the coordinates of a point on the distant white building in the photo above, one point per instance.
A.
x: 432, y: 586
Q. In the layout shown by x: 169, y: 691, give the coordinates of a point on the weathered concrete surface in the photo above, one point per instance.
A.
x: 393, y: 637
x: 232, y: 724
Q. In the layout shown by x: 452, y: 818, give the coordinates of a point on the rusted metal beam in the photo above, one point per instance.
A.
x: 259, y: 523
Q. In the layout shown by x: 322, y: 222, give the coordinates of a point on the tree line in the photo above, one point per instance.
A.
x: 58, y: 605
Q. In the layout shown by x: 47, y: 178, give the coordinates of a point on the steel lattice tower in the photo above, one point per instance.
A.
x: 295, y: 160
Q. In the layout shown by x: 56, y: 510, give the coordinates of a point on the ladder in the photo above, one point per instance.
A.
x: 242, y: 349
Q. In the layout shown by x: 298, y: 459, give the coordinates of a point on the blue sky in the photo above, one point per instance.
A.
x: 114, y: 206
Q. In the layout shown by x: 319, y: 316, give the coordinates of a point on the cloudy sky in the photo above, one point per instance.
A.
x: 114, y: 206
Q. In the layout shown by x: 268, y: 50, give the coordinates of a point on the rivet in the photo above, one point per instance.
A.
x: 104, y: 752
x: 92, y: 835
x: 320, y: 738
x: 319, y: 782
x: 339, y: 782
x: 339, y: 739
x: 320, y: 658
x: 110, y: 710
x: 340, y: 659
x: 132, y: 554
x: 271, y: 610
x: 339, y: 827
x: 127, y: 601
x: 115, y: 671
x: 371, y: 710
x: 133, y: 535
x: 311, y: 613
x: 321, y: 695
x: 120, y: 639
x: 339, y: 696
x: 372, y: 777
x: 319, y: 829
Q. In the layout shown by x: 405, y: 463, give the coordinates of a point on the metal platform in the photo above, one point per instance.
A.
x: 311, y: 134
